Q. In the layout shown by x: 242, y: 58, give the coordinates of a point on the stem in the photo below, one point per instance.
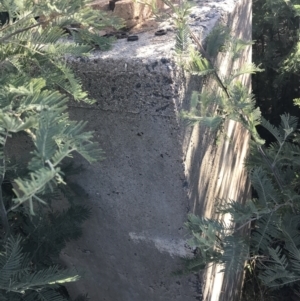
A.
x: 19, y: 31
x: 277, y: 154
x: 272, y: 168
x: 245, y: 224
x: 15, y: 23
x: 256, y: 218
x: 7, y: 37
x: 204, y: 54
x: 3, y: 212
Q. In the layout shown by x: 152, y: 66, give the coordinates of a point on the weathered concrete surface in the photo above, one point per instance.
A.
x: 217, y: 172
x: 156, y: 170
x: 139, y: 193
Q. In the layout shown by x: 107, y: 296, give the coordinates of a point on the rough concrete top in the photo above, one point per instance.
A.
x: 203, y: 17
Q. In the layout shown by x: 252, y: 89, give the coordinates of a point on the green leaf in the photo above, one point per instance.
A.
x: 216, y: 40
x: 11, y: 262
x: 15, y: 124
x: 263, y: 185
x: 27, y: 189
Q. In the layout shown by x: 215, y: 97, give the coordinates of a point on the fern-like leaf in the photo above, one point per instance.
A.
x: 11, y: 262
x: 263, y: 185
x: 216, y: 40
x: 277, y: 274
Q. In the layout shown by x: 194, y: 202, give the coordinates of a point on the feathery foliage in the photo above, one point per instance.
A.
x: 36, y: 39
x: 276, y: 49
x: 273, y: 214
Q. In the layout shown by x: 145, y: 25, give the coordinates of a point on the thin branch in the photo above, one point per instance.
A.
x: 205, y: 55
x: 19, y: 31
x: 3, y: 212
x: 39, y: 23
x: 15, y: 22
x: 245, y: 224
x: 272, y: 168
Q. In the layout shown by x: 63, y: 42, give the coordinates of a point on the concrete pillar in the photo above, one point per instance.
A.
x: 156, y: 170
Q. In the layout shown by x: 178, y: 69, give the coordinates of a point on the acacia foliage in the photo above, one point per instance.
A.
x: 36, y: 37
x: 276, y: 48
x: 272, y: 214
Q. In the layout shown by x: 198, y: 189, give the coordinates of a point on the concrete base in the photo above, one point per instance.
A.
x: 156, y: 170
